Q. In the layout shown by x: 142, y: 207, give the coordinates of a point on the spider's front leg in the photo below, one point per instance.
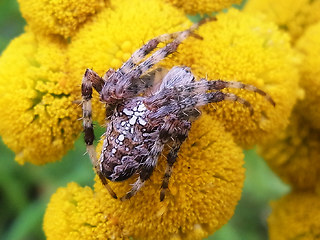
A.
x: 178, y: 37
x: 91, y: 79
x: 125, y: 82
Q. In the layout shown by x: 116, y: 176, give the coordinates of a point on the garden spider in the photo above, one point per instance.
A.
x: 142, y: 122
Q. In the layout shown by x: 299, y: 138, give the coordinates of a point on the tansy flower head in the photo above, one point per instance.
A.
x: 76, y: 213
x: 202, y: 6
x: 39, y: 119
x: 239, y: 47
x: 309, y: 46
x: 295, y: 216
x: 204, y: 188
x: 58, y: 17
x: 292, y: 16
x: 294, y: 154
x: 114, y: 34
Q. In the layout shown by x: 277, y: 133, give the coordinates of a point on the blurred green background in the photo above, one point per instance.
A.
x: 25, y: 190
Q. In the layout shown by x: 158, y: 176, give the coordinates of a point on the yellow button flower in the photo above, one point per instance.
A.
x: 202, y: 6
x: 294, y: 154
x: 295, y: 216
x: 39, y: 119
x: 309, y: 46
x: 57, y: 16
x: 292, y: 16
x: 114, y: 34
x: 75, y: 213
x: 239, y: 47
x: 204, y: 190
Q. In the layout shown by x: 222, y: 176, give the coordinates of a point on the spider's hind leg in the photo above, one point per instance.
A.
x: 179, y: 130
x: 146, y: 169
x: 90, y: 78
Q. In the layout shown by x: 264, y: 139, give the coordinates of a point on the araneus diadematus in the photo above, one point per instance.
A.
x: 142, y: 122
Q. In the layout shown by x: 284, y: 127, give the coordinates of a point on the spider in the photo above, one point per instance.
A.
x: 146, y: 116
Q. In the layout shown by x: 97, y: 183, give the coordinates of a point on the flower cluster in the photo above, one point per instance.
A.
x: 294, y: 153
x: 40, y: 76
x: 309, y: 46
x: 39, y: 116
x: 59, y: 17
x: 292, y: 217
x: 292, y: 16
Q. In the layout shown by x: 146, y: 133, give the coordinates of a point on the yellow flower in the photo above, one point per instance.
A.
x: 114, y: 34
x: 295, y: 216
x: 202, y: 6
x: 204, y: 190
x: 292, y: 16
x: 309, y: 46
x: 294, y: 154
x: 57, y: 16
x: 76, y: 213
x: 239, y: 47
x: 38, y: 119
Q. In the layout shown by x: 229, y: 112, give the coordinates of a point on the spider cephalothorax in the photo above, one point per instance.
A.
x: 142, y: 121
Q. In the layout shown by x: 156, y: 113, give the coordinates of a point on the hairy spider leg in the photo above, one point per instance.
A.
x: 172, y: 127
x: 141, y: 53
x: 146, y: 169
x: 126, y: 82
x: 178, y: 101
x: 90, y: 79
x: 162, y: 53
x: 219, y: 84
x: 96, y: 81
x: 203, y: 99
x: 204, y: 85
x: 179, y: 131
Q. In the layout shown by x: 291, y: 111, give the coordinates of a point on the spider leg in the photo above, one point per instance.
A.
x: 204, y: 85
x: 170, y: 48
x: 182, y: 128
x: 96, y: 81
x: 184, y: 97
x: 203, y: 99
x: 121, y: 84
x: 146, y: 169
x: 140, y: 54
x: 180, y: 103
x: 220, y: 84
x: 89, y: 79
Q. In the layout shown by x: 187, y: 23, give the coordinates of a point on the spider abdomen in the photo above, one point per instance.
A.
x: 127, y: 141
